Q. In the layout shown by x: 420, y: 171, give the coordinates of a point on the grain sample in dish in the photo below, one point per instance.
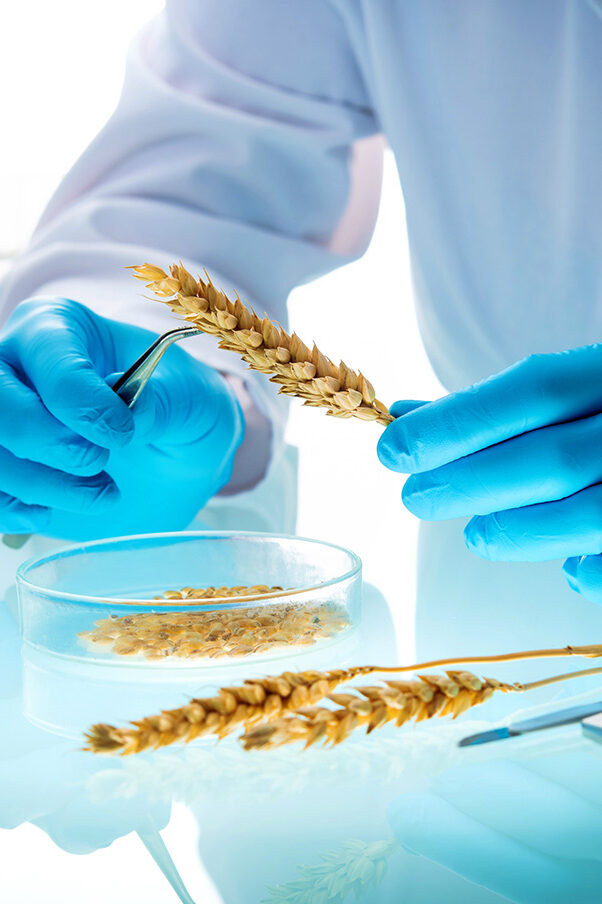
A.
x: 215, y: 633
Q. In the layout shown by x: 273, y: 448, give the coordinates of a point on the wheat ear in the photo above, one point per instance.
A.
x: 354, y: 869
x: 395, y: 702
x: 233, y: 707
x: 373, y: 707
x: 261, y: 700
x: 265, y: 346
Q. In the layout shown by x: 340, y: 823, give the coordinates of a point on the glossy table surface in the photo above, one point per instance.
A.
x: 400, y: 815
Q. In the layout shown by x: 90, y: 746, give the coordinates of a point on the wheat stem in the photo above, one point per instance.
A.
x: 265, y: 346
x: 566, y: 676
x: 592, y: 651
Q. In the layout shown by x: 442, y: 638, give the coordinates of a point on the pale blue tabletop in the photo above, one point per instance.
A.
x: 403, y: 815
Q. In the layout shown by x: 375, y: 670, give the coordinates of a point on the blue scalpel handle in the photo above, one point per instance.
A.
x: 548, y: 720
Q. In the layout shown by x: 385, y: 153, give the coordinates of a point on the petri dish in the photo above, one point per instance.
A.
x: 104, y: 601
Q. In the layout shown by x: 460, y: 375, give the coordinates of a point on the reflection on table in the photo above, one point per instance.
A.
x: 400, y: 815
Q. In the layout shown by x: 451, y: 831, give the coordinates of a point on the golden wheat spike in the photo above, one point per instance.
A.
x: 233, y: 707
x: 395, y: 702
x: 265, y: 346
x: 372, y: 707
x: 264, y: 700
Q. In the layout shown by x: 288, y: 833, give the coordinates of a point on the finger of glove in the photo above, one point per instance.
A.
x: 36, y: 484
x: 56, y: 357
x: 28, y: 430
x: 537, y: 533
x: 180, y: 403
x: 18, y: 518
x: 540, y: 466
x: 536, y: 392
x: 584, y: 575
x: 403, y: 406
x: 554, y: 820
x: 433, y: 828
x: 577, y: 770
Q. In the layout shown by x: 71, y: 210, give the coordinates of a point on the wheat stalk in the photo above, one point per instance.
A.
x: 267, y: 699
x: 233, y: 707
x: 265, y: 346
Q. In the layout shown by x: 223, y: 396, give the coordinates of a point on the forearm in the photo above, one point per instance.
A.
x: 254, y: 455
x: 238, y: 159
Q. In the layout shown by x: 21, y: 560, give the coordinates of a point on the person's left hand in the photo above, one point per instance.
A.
x: 521, y: 453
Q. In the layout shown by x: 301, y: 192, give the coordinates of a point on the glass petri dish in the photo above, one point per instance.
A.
x: 102, y: 602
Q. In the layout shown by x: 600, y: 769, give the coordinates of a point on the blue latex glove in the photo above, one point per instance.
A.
x: 522, y: 452
x: 529, y: 832
x: 74, y: 460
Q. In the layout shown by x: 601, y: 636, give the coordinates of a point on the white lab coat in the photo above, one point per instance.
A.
x: 247, y: 140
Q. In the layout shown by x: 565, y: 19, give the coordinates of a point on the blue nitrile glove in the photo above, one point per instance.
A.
x: 74, y: 460
x: 521, y: 451
x: 527, y: 831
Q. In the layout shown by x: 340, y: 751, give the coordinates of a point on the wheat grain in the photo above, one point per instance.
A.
x: 212, y: 593
x: 216, y: 633
x: 265, y: 346
x: 233, y: 707
x: 375, y: 706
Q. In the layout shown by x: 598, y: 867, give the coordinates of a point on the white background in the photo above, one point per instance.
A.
x: 61, y: 65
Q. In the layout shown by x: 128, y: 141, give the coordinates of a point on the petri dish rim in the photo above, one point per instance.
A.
x: 229, y: 602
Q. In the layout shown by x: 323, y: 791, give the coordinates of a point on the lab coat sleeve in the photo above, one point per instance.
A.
x: 244, y: 142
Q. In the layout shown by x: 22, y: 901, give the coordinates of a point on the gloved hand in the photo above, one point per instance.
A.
x: 522, y: 452
x: 528, y: 832
x: 74, y: 460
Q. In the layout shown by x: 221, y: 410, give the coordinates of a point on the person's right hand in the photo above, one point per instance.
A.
x: 74, y: 460
x: 517, y: 453
x: 527, y: 829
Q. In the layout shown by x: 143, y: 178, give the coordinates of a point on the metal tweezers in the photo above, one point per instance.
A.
x: 128, y: 387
